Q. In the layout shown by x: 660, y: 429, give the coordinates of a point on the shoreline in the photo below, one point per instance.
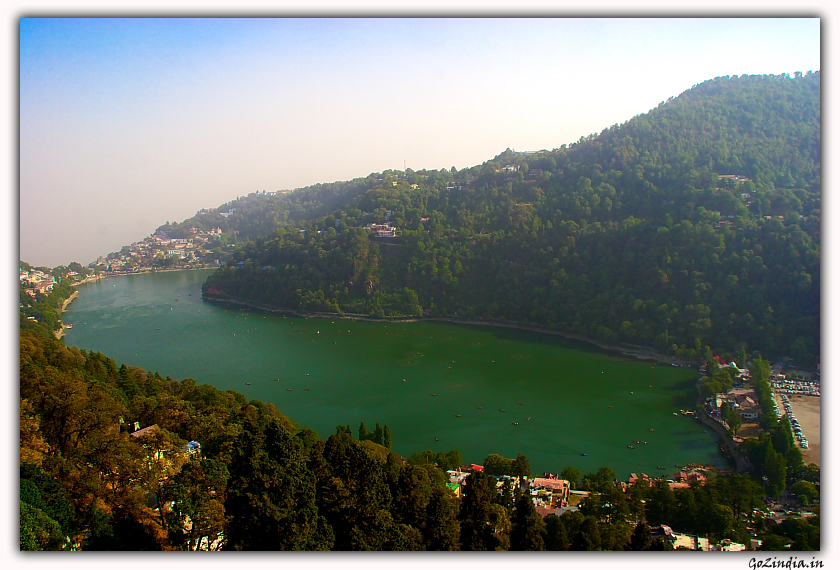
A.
x: 639, y: 352
x: 156, y: 270
x: 60, y: 332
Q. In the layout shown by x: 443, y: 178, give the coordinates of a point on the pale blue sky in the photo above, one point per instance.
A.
x: 128, y: 123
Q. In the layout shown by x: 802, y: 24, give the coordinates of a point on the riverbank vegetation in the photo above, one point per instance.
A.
x: 91, y: 480
x: 665, y: 231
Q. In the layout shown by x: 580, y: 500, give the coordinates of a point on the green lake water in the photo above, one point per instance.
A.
x: 567, y: 397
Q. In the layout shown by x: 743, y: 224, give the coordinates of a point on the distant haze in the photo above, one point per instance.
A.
x: 126, y: 124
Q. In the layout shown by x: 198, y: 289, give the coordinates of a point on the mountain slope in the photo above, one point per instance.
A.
x: 694, y: 225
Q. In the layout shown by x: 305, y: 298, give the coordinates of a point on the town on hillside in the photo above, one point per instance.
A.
x: 159, y: 251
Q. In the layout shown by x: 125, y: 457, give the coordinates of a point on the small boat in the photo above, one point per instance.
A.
x: 675, y: 413
x: 520, y: 403
x: 516, y: 423
x: 437, y: 439
x: 650, y: 386
x: 276, y: 379
x: 501, y: 410
x: 288, y: 389
x: 584, y: 454
x: 631, y: 446
x: 457, y: 415
x: 307, y: 389
x: 479, y: 407
x: 651, y: 429
x: 609, y: 406
x: 660, y: 467
x: 433, y: 394
x: 529, y: 418
x: 247, y: 383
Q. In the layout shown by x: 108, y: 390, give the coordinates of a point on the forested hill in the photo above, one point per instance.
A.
x: 694, y: 225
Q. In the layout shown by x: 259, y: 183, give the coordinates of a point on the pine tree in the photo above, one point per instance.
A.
x: 441, y: 527
x: 386, y: 436
x: 556, y: 536
x: 640, y: 539
x: 475, y: 513
x: 527, y: 526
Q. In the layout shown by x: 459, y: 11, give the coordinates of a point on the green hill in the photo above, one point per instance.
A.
x: 693, y: 225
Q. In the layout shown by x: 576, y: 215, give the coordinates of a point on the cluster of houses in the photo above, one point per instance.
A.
x: 140, y: 255
x: 36, y: 281
x: 385, y: 230
x: 549, y: 493
x: 745, y: 402
x: 682, y: 479
x: 681, y: 541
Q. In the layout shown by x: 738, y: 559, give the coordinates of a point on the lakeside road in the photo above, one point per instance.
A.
x: 807, y: 412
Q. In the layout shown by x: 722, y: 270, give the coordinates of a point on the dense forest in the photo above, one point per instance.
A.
x: 693, y: 228
x: 256, y: 480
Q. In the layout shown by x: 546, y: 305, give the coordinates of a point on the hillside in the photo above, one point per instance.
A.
x: 694, y: 225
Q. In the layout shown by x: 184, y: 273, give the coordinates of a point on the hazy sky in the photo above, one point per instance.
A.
x: 128, y: 123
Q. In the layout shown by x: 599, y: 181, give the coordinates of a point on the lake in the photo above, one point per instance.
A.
x: 515, y: 391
